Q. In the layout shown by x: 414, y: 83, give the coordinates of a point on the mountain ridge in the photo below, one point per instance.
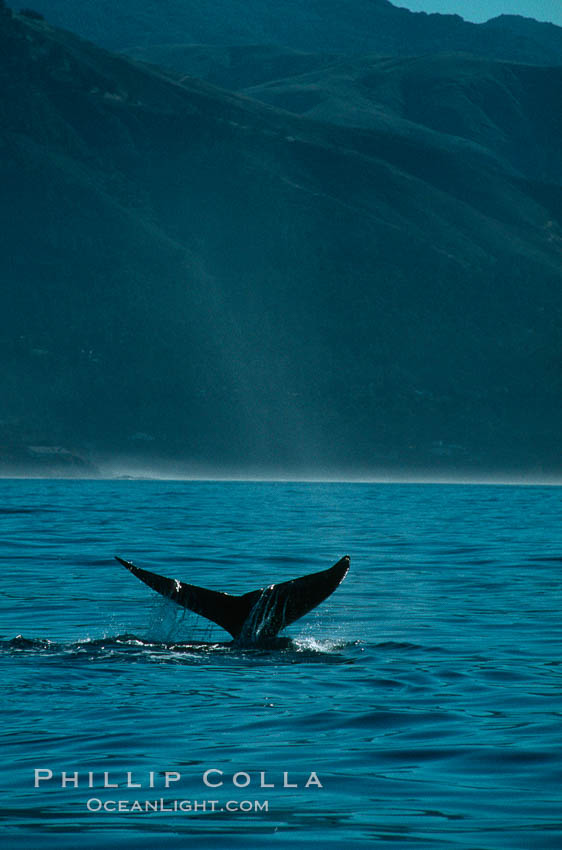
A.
x: 359, y: 26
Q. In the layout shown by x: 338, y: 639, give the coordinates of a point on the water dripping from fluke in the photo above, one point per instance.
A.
x: 254, y: 618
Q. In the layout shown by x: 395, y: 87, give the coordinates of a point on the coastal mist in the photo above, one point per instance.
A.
x: 418, y: 706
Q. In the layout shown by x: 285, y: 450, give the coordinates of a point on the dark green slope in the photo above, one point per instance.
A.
x: 192, y: 275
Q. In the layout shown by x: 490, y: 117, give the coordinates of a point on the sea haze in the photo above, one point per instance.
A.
x: 424, y: 694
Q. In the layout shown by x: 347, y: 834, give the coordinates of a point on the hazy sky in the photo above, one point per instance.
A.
x: 483, y: 10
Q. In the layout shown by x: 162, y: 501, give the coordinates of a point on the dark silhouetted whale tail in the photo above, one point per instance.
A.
x: 256, y: 616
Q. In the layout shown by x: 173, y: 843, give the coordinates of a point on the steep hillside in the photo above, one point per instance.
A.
x: 353, y: 26
x: 192, y: 275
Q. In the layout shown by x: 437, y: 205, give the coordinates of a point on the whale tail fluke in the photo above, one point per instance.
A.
x: 257, y: 615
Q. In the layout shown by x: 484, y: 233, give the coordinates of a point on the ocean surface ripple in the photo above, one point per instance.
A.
x: 419, y: 706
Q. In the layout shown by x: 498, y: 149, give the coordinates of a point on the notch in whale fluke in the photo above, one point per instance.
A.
x: 258, y: 615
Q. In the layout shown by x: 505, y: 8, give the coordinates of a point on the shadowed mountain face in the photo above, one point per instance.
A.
x: 193, y: 275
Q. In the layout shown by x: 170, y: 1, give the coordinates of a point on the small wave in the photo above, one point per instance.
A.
x: 89, y: 645
x: 22, y: 643
x: 409, y: 647
x: 139, y: 648
x: 549, y: 559
x: 15, y: 511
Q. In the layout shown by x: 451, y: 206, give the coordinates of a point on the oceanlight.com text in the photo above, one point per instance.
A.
x: 94, y: 804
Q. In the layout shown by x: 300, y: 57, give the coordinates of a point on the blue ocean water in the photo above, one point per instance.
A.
x: 424, y: 696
